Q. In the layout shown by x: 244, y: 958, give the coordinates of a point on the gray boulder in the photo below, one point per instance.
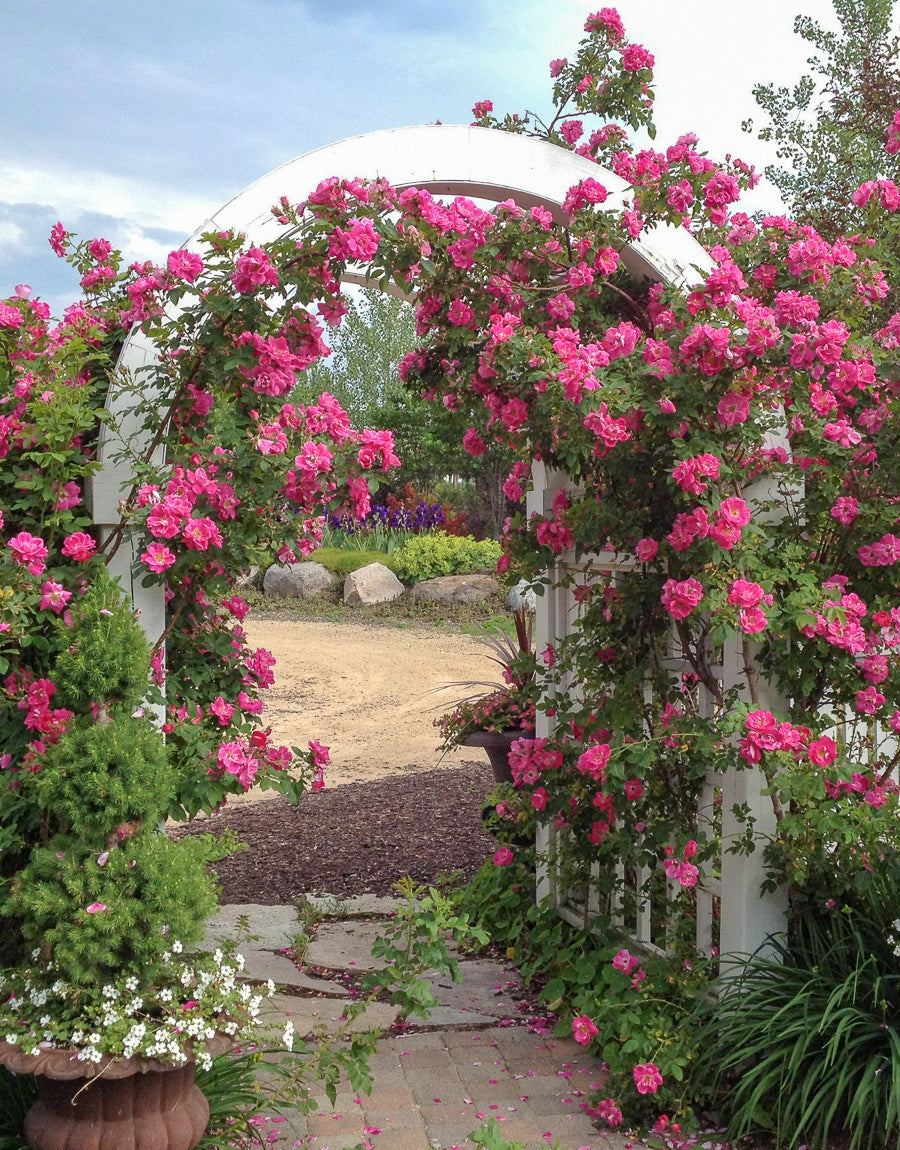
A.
x: 455, y: 589
x: 297, y: 580
x: 373, y: 583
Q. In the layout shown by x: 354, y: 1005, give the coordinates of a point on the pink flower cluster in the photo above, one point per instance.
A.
x: 529, y: 758
x: 681, y: 870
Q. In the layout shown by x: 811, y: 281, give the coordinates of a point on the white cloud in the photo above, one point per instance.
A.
x: 12, y: 237
x: 76, y: 192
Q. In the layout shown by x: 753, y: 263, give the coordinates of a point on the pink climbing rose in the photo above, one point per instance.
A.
x: 79, y: 546
x: 29, y: 551
x: 584, y: 1029
x: 681, y: 597
x: 647, y: 1078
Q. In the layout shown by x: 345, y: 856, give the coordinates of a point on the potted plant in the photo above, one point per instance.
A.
x: 104, y: 1005
x: 495, y: 718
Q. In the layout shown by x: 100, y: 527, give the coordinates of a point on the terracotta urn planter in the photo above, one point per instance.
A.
x: 116, y: 1103
x: 497, y: 744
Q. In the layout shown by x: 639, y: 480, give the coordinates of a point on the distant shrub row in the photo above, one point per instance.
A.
x: 420, y: 557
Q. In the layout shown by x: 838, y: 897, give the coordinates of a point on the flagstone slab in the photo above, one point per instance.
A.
x: 346, y: 945
x: 309, y: 1014
x: 254, y: 926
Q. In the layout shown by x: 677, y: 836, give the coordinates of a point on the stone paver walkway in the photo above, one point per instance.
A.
x: 431, y: 1087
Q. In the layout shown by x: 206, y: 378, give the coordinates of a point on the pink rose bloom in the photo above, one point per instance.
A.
x: 744, y: 593
x: 235, y: 759
x: 28, y: 551
x: 869, y: 700
x: 822, y: 752
x: 876, y: 797
x: 680, y: 598
x: 473, y: 443
x: 752, y: 620
x: 647, y: 1078
x: 503, y: 857
x: 253, y: 269
x: 460, y: 314
x: 875, y: 668
x: 79, y: 546
x: 165, y: 519
x: 609, y: 1112
x: 221, y: 710
x: 185, y: 265
x: 634, y: 788
x: 539, y: 799
x: 556, y: 66
x: 514, y: 413
x: 646, y: 550
x: 625, y: 961
x: 733, y: 408
x: 735, y: 511
x: 54, y: 597
x: 157, y: 557
x: 571, y: 131
x: 845, y: 510
x: 635, y: 57
x: 201, y: 534
x: 725, y: 533
x: 584, y: 1029
x: 593, y: 761
x: 321, y: 754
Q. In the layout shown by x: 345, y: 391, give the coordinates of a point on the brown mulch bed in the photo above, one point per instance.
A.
x: 359, y: 838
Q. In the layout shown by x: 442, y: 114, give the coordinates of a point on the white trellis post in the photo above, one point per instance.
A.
x: 733, y: 915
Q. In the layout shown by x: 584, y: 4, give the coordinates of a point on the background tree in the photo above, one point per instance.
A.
x: 362, y: 373
x: 830, y: 128
x: 373, y: 336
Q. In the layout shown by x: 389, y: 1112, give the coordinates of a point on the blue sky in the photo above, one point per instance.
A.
x: 135, y: 121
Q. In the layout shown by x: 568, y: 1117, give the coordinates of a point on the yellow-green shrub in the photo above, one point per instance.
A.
x: 428, y: 556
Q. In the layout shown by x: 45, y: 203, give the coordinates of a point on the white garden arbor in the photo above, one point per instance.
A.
x: 445, y: 159
x: 488, y: 165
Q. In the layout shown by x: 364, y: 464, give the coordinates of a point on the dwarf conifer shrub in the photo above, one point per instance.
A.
x: 104, y: 889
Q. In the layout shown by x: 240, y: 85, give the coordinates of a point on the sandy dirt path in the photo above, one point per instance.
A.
x: 366, y: 692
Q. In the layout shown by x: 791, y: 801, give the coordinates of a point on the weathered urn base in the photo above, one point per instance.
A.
x: 115, y: 1104
x: 155, y: 1110
x: 497, y: 744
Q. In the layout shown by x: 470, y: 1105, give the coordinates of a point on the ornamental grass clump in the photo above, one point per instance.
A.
x: 100, y: 911
x: 805, y: 1042
x: 506, y: 707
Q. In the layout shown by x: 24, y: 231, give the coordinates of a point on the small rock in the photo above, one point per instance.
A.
x: 522, y: 596
x: 297, y: 580
x: 373, y: 583
x: 252, y: 577
x: 455, y: 589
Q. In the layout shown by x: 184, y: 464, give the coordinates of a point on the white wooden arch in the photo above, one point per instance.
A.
x: 445, y: 159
